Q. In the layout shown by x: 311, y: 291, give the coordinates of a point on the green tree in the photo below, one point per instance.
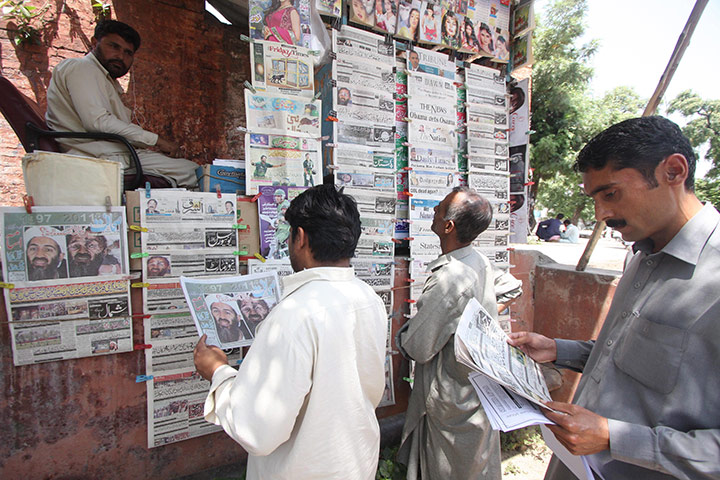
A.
x: 563, y: 193
x: 703, y: 129
x: 560, y: 80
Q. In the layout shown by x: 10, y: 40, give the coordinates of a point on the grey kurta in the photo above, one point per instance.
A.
x: 447, y: 435
x: 653, y: 371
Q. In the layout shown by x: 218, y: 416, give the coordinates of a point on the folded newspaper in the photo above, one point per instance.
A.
x: 481, y: 344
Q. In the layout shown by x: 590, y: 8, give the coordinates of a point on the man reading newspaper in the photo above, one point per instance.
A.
x: 648, y: 402
x: 447, y: 434
x: 303, y: 401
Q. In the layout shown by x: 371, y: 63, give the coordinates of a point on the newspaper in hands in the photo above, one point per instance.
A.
x: 481, y: 344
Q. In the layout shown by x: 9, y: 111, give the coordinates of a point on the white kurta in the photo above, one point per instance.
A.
x: 303, y: 401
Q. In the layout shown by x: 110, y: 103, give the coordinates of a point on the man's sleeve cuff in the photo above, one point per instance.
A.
x: 632, y: 443
x: 221, y: 375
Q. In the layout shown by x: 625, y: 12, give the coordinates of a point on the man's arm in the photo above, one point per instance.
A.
x: 258, y: 405
x: 84, y: 84
x: 693, y: 454
x: 439, y: 310
x: 570, y: 354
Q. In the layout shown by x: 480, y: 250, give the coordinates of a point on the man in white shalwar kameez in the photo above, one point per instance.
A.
x: 303, y: 401
x: 447, y: 435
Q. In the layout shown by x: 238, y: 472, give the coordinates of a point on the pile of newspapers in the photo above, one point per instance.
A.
x: 510, y: 384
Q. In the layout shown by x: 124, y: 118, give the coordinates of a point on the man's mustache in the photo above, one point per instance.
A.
x: 616, y: 223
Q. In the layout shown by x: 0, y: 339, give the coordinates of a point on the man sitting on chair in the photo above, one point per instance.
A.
x: 84, y: 96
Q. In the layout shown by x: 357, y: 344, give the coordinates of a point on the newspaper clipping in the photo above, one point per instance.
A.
x: 281, y: 160
x: 281, y: 115
x: 70, y: 294
x: 228, y: 310
x: 283, y: 69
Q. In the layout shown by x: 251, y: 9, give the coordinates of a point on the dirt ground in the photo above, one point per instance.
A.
x: 529, y: 464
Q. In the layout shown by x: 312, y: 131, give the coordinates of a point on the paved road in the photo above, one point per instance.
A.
x: 609, y: 254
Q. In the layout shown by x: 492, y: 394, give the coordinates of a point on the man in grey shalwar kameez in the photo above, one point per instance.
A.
x: 447, y: 435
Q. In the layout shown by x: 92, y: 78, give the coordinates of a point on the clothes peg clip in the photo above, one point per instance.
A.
x: 137, y: 228
x: 143, y: 378
x: 254, y: 199
x: 142, y: 346
x: 240, y: 253
x: 7, y: 285
x: 240, y: 226
x: 139, y: 285
x: 249, y: 86
x: 139, y: 255
x: 29, y: 203
x: 147, y: 189
x: 241, y: 129
x: 317, y: 95
x: 260, y: 257
x: 108, y: 204
x: 217, y: 190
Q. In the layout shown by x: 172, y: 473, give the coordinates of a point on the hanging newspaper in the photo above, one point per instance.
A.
x: 369, y: 202
x: 281, y: 267
x: 173, y: 337
x: 428, y: 61
x: 73, y: 319
x: 169, y: 206
x: 274, y: 229
x: 366, y: 179
x: 277, y: 23
x: 486, y: 114
x: 160, y: 295
x: 62, y: 242
x: 281, y: 160
x: 490, y: 21
x: 354, y: 43
x: 361, y: 156
x: 388, y: 397
x: 332, y: 8
x: 69, y: 295
x: 282, y: 69
x: 374, y: 136
x: 280, y: 115
x: 427, y: 86
x: 432, y: 184
x: 493, y: 186
x: 228, y: 310
x: 487, y: 163
x: 376, y: 272
x: 481, y: 344
x: 432, y: 159
x: 486, y: 97
x: 484, y: 78
x: 163, y: 238
x: 374, y: 246
x: 176, y: 400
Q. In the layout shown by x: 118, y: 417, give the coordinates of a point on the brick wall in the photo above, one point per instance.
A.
x: 186, y: 83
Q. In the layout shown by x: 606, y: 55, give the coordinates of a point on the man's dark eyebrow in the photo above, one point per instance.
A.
x: 601, y: 188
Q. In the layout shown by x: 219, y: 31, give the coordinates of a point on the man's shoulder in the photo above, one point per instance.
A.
x: 77, y: 66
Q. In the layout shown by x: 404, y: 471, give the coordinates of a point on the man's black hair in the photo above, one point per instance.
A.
x: 560, y: 216
x: 639, y: 143
x: 125, y: 31
x: 472, y: 215
x: 330, y: 219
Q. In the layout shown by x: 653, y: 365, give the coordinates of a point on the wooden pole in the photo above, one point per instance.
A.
x: 651, y: 107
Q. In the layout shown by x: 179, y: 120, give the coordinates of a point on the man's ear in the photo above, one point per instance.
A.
x: 93, y: 42
x: 300, y: 239
x: 675, y: 169
x: 449, y: 226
